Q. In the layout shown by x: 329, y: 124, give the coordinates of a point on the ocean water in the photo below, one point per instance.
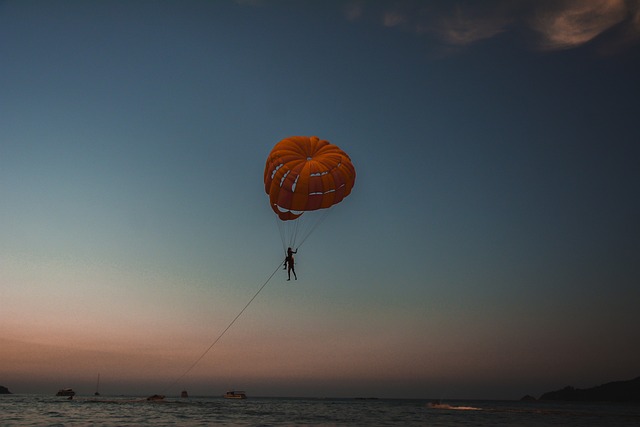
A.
x: 39, y: 410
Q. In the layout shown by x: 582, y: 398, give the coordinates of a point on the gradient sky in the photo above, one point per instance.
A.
x: 489, y: 249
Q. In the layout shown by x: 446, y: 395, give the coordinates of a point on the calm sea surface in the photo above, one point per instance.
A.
x: 37, y: 410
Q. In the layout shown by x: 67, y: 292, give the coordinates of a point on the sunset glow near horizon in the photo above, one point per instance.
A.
x: 490, y: 247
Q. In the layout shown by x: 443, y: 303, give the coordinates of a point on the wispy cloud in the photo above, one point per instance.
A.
x: 354, y: 9
x: 393, y: 19
x: 465, y: 26
x: 577, y: 22
x: 453, y: 23
x: 559, y: 24
x: 628, y: 33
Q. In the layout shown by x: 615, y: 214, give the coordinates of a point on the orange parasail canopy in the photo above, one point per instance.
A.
x: 306, y: 173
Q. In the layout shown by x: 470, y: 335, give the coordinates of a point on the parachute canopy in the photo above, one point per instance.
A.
x: 306, y: 173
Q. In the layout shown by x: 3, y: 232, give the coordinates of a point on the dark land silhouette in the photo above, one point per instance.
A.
x: 617, y: 391
x: 4, y: 390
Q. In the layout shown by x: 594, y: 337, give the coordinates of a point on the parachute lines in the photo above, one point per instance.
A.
x: 294, y: 233
x: 193, y: 365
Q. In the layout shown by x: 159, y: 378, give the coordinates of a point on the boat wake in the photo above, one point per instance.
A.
x: 438, y: 405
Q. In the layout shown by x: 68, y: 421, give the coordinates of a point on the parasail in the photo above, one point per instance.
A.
x: 306, y: 173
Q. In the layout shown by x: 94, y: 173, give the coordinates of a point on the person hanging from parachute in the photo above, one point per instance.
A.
x: 304, y: 174
x: 289, y: 263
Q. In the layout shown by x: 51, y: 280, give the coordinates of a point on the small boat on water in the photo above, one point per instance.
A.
x: 156, y: 397
x: 184, y: 394
x: 66, y: 392
x: 235, y: 395
x: 436, y: 404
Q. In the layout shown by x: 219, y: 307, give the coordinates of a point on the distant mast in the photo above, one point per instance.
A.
x: 97, y: 393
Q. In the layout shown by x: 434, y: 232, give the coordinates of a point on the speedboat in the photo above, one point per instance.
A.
x: 235, y: 395
x: 66, y: 392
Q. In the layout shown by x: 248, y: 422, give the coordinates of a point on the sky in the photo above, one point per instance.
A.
x: 490, y: 247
